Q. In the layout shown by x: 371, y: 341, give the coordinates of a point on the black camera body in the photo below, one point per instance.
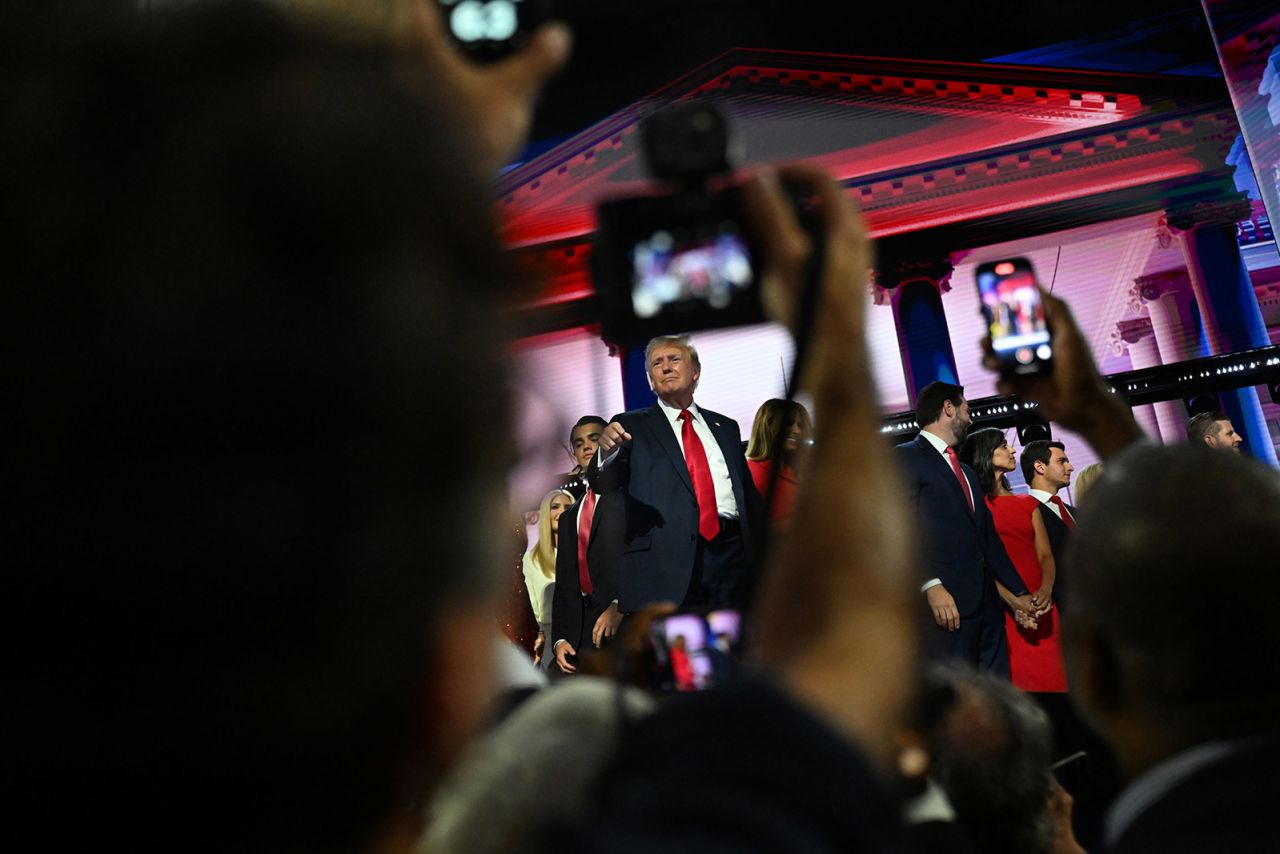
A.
x: 683, y: 259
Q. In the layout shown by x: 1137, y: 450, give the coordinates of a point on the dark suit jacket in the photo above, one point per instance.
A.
x: 660, y: 540
x: 1058, y: 536
x: 958, y: 547
x: 1224, y: 806
x: 570, y: 620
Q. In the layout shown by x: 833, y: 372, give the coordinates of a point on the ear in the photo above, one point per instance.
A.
x: 948, y: 409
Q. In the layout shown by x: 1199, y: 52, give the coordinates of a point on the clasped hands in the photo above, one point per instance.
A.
x: 1028, y: 609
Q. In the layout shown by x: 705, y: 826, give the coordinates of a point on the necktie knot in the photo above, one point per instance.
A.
x: 685, y: 415
x: 1062, y: 511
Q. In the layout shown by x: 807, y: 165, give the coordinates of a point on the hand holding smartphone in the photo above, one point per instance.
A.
x: 1015, y: 315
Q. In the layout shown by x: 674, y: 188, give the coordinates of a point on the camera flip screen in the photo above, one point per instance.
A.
x: 708, y: 264
x: 669, y: 264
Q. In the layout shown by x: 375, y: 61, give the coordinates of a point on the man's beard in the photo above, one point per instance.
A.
x: 960, y: 429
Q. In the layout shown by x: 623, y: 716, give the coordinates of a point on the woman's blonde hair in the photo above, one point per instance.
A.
x: 1085, y: 480
x: 773, y: 417
x: 544, y: 553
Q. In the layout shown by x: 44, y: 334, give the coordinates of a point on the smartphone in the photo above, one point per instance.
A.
x: 1011, y: 304
x: 489, y: 30
x: 694, y: 651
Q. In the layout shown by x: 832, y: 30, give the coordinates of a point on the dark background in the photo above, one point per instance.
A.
x: 626, y: 49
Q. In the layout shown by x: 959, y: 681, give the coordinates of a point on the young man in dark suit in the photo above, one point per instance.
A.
x: 962, y: 555
x: 691, y: 506
x: 584, y: 608
x: 1047, y: 470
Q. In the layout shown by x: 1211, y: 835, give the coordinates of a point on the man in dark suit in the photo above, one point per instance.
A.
x: 1047, y: 470
x: 1172, y: 646
x: 690, y: 503
x: 584, y: 609
x: 962, y: 555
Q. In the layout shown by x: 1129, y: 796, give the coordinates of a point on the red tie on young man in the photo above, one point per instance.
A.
x: 1062, y: 511
x: 704, y: 489
x: 964, y: 484
x: 584, y: 537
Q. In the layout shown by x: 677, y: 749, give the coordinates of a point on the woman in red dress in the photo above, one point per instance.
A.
x: 1035, y: 651
x: 792, y: 420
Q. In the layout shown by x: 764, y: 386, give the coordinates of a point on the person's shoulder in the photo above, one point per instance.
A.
x: 911, y: 446
x: 717, y: 418
x: 632, y: 414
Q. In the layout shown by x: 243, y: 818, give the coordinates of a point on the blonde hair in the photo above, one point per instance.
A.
x: 773, y: 417
x: 1085, y: 481
x: 544, y: 553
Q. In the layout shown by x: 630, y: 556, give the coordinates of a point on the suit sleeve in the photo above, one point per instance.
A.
x: 998, y: 559
x: 910, y: 480
x: 566, y: 582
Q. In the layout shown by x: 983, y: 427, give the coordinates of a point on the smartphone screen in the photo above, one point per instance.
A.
x: 1015, y: 316
x: 692, y: 652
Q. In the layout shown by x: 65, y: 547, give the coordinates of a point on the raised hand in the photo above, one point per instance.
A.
x: 612, y: 436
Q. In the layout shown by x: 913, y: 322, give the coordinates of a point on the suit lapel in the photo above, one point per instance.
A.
x: 661, y: 430
x: 940, y: 463
x: 731, y: 449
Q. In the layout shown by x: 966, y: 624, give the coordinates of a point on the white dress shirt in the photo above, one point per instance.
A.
x: 1046, y: 498
x: 941, y: 446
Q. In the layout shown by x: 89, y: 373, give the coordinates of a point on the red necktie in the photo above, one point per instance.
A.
x: 1062, y: 511
x: 584, y: 537
x: 695, y: 457
x: 964, y: 484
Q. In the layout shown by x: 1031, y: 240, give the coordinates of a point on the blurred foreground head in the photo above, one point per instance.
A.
x: 252, y: 294
x: 1171, y: 637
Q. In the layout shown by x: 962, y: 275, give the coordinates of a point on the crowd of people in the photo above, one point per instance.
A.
x: 261, y: 318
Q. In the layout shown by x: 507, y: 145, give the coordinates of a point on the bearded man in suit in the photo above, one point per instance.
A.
x: 962, y: 556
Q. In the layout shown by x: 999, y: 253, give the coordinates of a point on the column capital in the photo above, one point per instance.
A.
x: 1155, y: 285
x: 1129, y: 331
x: 1226, y: 209
x: 895, y: 272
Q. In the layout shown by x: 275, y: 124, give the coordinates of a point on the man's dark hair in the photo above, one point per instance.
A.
x: 241, y: 253
x: 584, y: 421
x: 1187, y: 548
x: 1038, y: 451
x: 990, y: 750
x: 1205, y: 424
x: 930, y: 401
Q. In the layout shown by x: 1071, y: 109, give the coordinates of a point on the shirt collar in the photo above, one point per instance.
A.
x: 1162, y: 778
x: 673, y: 412
x: 1041, y: 495
x: 939, y: 444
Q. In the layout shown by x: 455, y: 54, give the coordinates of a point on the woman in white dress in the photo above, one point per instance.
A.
x: 540, y: 568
